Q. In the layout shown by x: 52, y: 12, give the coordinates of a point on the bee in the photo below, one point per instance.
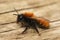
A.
x: 29, y: 20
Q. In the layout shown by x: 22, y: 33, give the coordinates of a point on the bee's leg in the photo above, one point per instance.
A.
x: 37, y: 30
x: 22, y: 24
x: 24, y: 30
x: 26, y: 27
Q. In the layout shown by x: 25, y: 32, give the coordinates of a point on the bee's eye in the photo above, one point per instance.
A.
x: 21, y: 17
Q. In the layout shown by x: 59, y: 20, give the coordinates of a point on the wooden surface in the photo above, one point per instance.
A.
x: 49, y: 9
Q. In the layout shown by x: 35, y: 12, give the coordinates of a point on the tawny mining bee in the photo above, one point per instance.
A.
x: 29, y: 20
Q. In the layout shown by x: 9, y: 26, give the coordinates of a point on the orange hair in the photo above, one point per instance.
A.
x: 28, y: 14
x: 44, y: 22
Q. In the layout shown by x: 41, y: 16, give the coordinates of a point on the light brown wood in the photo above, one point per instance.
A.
x: 48, y: 9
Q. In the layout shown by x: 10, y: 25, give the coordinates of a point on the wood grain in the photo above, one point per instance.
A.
x: 48, y: 9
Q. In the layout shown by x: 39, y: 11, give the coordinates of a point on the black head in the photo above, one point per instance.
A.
x: 20, y: 18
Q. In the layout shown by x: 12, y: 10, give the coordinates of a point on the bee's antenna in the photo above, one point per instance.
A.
x: 15, y: 11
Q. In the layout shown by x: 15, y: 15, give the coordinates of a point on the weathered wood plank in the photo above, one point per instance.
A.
x: 50, y: 12
x: 6, y: 18
x: 45, y: 34
x: 22, y: 4
x: 45, y: 12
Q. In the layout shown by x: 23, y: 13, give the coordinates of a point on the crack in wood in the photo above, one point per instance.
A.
x: 27, y: 8
x: 8, y: 31
x: 15, y: 22
x: 51, y: 29
x: 41, y: 32
x: 8, y: 23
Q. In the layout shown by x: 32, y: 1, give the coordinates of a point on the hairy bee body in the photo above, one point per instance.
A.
x: 32, y: 22
x: 43, y: 23
x: 27, y: 20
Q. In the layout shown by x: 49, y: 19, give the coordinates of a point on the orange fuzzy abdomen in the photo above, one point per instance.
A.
x: 44, y: 22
